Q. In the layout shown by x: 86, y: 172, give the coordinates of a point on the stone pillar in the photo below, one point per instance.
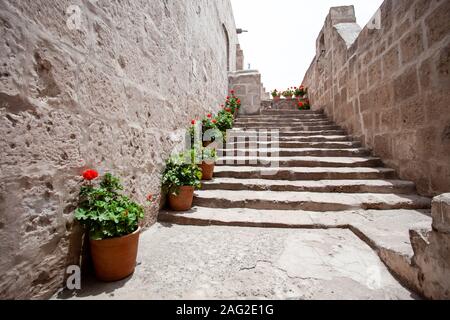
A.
x: 239, y: 58
x: 247, y: 86
x: 432, y: 252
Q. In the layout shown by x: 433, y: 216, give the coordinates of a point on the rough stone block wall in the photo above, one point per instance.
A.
x: 109, y: 85
x: 390, y: 86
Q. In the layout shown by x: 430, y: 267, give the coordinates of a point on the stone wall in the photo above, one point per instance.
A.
x: 109, y: 85
x: 389, y: 85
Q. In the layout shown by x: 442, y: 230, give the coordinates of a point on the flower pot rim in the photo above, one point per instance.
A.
x: 187, y: 187
x: 138, y: 230
x: 208, y: 163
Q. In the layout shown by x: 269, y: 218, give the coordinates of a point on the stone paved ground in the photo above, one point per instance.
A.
x: 213, y: 262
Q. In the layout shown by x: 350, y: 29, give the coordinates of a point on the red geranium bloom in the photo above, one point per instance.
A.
x: 300, y: 104
x: 209, y: 115
x: 228, y: 97
x: 228, y: 109
x: 193, y: 122
x: 239, y: 101
x: 90, y: 174
x: 214, y: 121
x: 232, y: 91
x: 150, y: 197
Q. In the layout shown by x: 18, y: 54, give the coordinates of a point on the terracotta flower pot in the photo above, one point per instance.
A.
x: 182, y: 201
x: 289, y: 98
x: 115, y: 259
x: 207, y: 170
x: 277, y: 98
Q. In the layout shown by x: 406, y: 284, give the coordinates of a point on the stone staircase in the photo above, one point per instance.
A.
x: 325, y: 180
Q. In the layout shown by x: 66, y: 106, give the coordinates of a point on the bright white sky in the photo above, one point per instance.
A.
x: 281, y: 41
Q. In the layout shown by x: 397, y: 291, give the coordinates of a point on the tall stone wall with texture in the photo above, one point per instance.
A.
x: 109, y: 85
x: 389, y: 85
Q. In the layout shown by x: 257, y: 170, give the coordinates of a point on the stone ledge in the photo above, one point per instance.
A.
x: 432, y: 252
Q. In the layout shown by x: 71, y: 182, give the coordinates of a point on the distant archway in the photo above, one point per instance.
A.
x: 227, y: 43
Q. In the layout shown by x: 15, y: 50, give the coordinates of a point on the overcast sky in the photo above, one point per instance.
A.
x: 281, y: 41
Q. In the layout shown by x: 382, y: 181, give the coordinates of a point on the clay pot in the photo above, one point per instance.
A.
x: 115, y: 259
x: 289, y: 98
x: 207, y: 170
x: 182, y: 201
x: 276, y: 99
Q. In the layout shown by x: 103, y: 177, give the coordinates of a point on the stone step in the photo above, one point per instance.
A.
x: 250, y: 122
x: 294, y: 144
x: 310, y: 201
x: 291, y: 112
x: 287, y: 133
x: 282, y: 117
x: 342, y: 186
x: 301, y: 173
x: 288, y: 127
x: 272, y: 118
x: 386, y: 231
x: 301, y: 161
x: 233, y: 138
x: 294, y: 152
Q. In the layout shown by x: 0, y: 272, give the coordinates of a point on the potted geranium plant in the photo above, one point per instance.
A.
x: 209, y: 156
x: 208, y: 124
x: 234, y: 103
x: 224, y: 121
x: 304, y: 105
x: 181, y: 177
x: 112, y: 222
x: 300, y: 92
x: 288, y: 94
x: 276, y: 95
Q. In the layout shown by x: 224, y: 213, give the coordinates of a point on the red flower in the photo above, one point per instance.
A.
x: 214, y: 121
x: 90, y: 175
x: 150, y: 197
x: 232, y: 91
x: 193, y: 122
x: 228, y: 109
x: 209, y: 115
x: 239, y: 101
x: 228, y: 97
x: 300, y: 104
x: 223, y: 106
